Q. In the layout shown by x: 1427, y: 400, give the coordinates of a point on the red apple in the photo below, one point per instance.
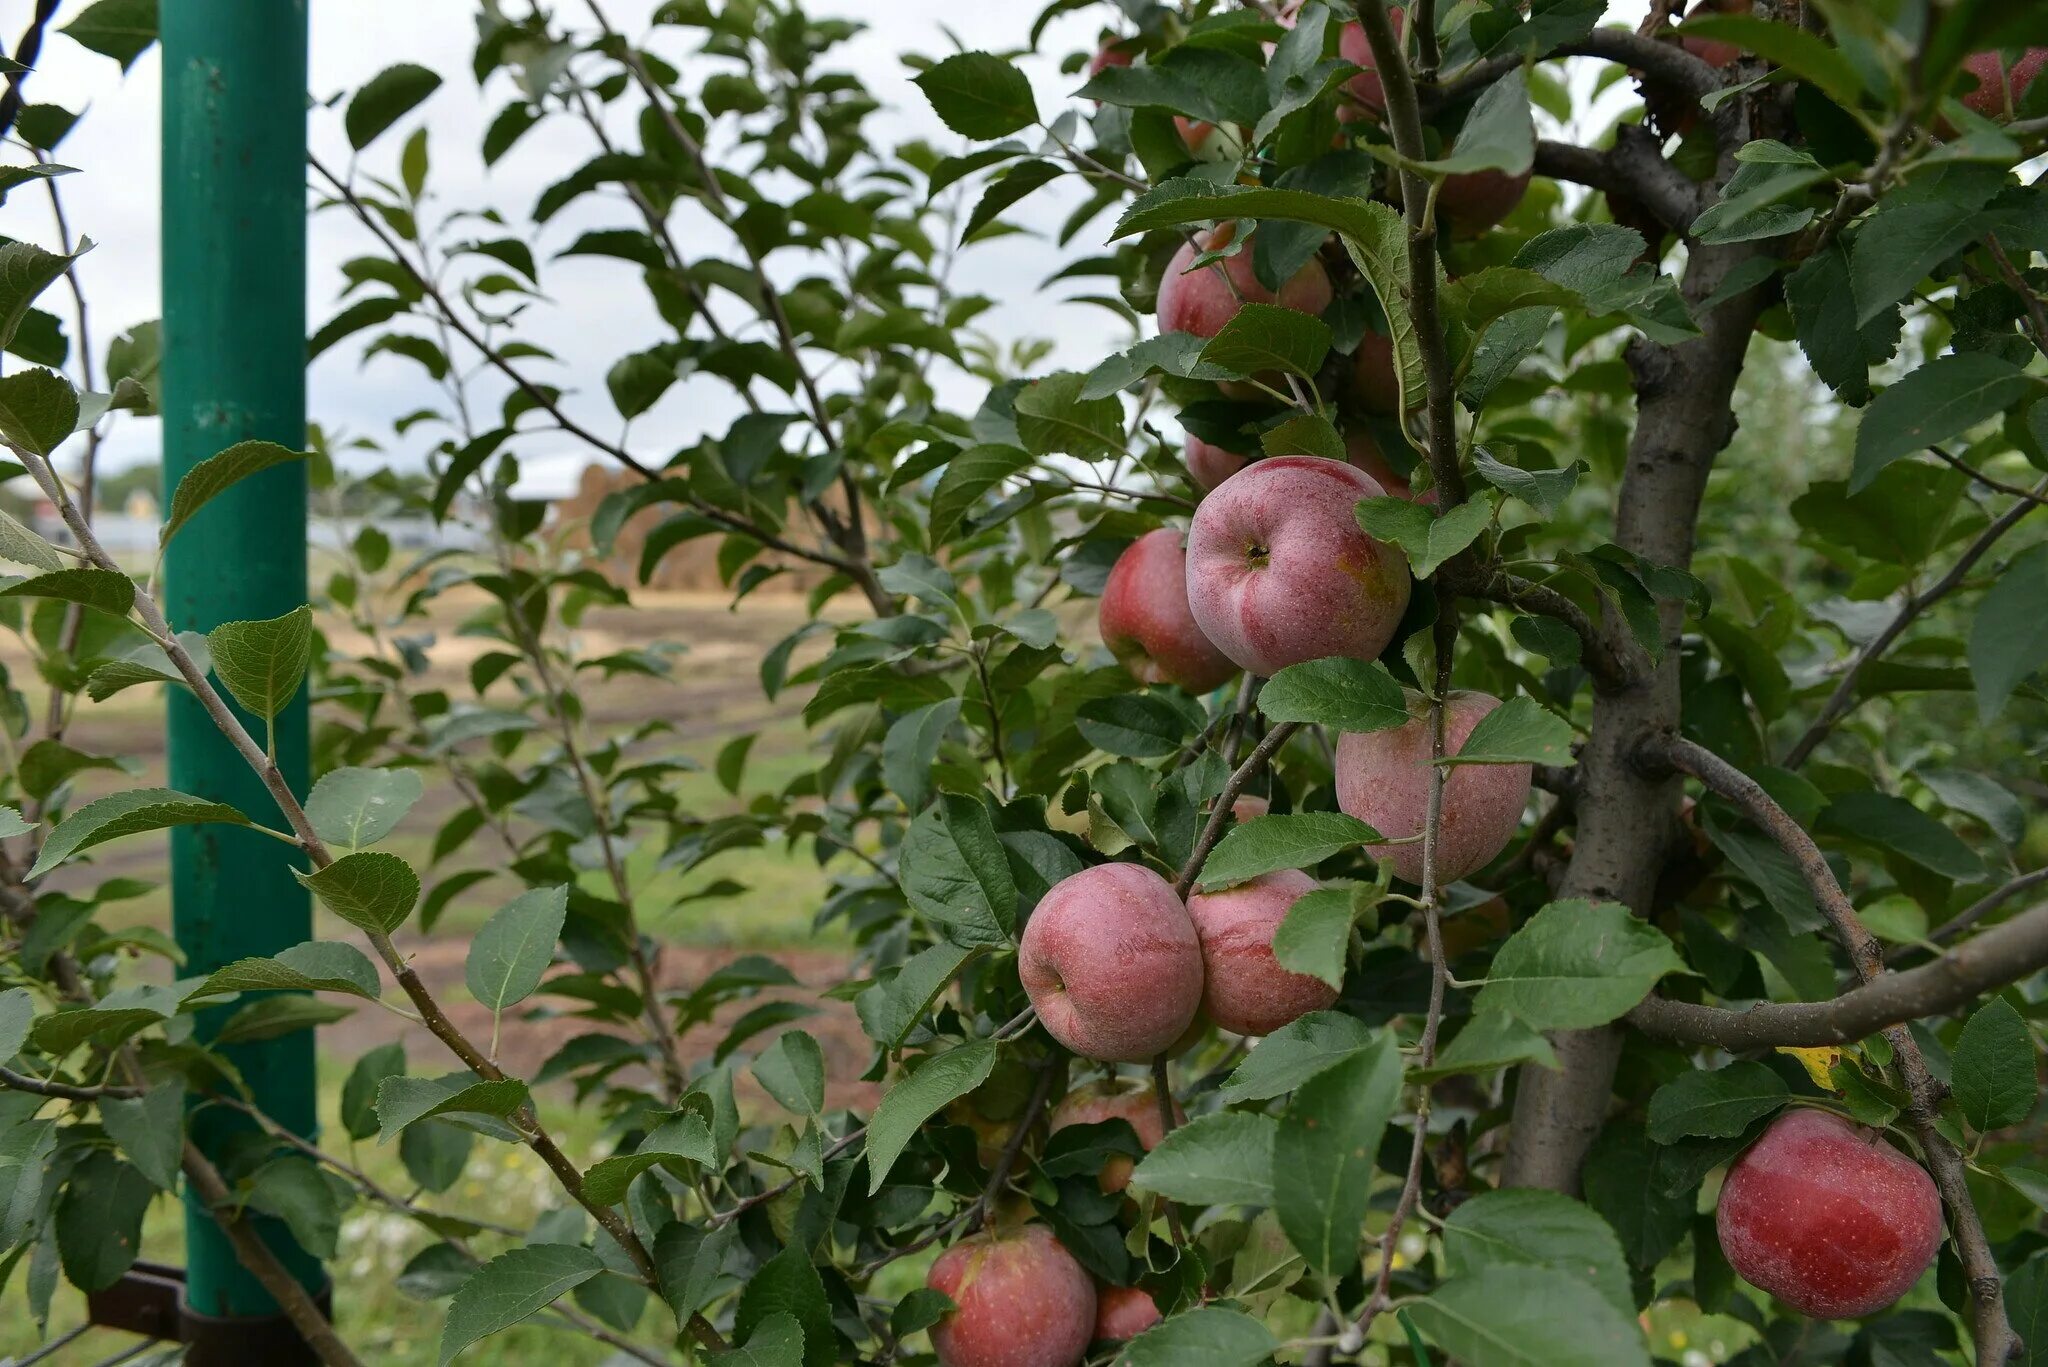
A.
x: 1208, y: 141
x: 1111, y: 961
x: 1111, y: 53
x: 1374, y: 382
x: 1368, y: 97
x: 1023, y: 1302
x: 1209, y: 465
x: 1248, y: 806
x: 1713, y: 51
x: 1123, y: 1313
x: 1202, y: 302
x: 1361, y: 450
x: 1999, y: 88
x: 1279, y: 571
x: 1383, y: 779
x: 1476, y: 200
x: 1246, y: 991
x: 1131, y: 1099
x: 1145, y: 620
x: 1828, y: 1217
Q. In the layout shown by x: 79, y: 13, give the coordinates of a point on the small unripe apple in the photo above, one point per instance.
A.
x: 1111, y: 962
x: 1201, y: 302
x: 1246, y: 991
x: 1477, y: 200
x: 1279, y: 571
x: 2000, y: 88
x: 1145, y: 620
x: 1123, y: 1312
x: 1368, y: 97
x: 1129, y: 1099
x: 1713, y: 51
x: 1828, y: 1217
x: 1023, y: 1302
x: 1383, y: 779
x: 1374, y: 382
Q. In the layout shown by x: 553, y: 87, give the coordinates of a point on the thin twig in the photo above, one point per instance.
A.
x: 65, y: 1091
x: 1990, y: 482
x: 1212, y: 831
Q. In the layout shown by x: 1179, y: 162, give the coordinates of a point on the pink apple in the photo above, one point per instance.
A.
x: 1246, y: 990
x: 1023, y: 1302
x: 1828, y: 1217
x: 1713, y: 51
x: 1201, y: 302
x: 1477, y: 200
x: 1130, y: 1099
x: 1279, y: 572
x: 1145, y: 620
x: 1374, y: 382
x: 1361, y: 450
x: 1209, y: 464
x: 1111, y: 961
x: 1111, y: 53
x: 1208, y: 141
x: 1383, y: 779
x: 1368, y: 97
x: 1249, y: 806
x: 1999, y: 88
x: 1123, y: 1312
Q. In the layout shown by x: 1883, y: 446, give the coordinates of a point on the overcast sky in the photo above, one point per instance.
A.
x: 596, y: 310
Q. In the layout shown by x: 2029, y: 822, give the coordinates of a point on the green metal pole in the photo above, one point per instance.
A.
x: 234, y: 283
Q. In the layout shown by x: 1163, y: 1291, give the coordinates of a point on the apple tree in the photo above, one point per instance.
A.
x: 1470, y: 794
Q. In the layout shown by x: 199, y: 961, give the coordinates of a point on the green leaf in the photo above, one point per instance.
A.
x: 129, y: 813
x: 792, y: 1070
x: 979, y: 96
x: 1309, y: 434
x: 1214, y: 1160
x: 351, y: 808
x: 1841, y: 349
x: 1293, y: 1054
x: 1577, y: 964
x: 1597, y: 261
x: 1206, y: 1336
x: 1053, y: 419
x: 2009, y: 637
x: 275, y: 1017
x: 1339, y: 692
x: 109, y: 591
x: 1428, y: 539
x: 1800, y: 52
x: 1315, y: 935
x: 917, y: 1098
x: 1507, y: 1315
x: 966, y: 478
x: 682, y: 1137
x: 889, y: 1010
x: 1993, y: 1071
x: 1519, y: 731
x: 384, y: 100
x: 1718, y: 1105
x: 263, y: 663
x: 210, y: 477
x: 1892, y: 823
x: 1498, y: 135
x: 370, y: 890
x: 1176, y: 353
x: 912, y: 747
x: 121, y: 29
x: 17, y: 1014
x: 1135, y: 725
x: 1489, y: 1042
x: 1264, y: 337
x: 308, y: 1201
x: 1753, y: 205
x: 955, y: 873
x: 150, y: 1131
x: 359, y: 1090
x: 26, y: 271
x: 38, y: 410
x: 1524, y: 1227
x: 1324, y: 1155
x: 1942, y: 399
x: 315, y: 966
x: 513, y: 1287
x: 403, y: 1101
x: 99, y: 1220
x: 12, y: 823
x: 777, y: 1341
x: 788, y: 1285
x: 1543, y: 490
x: 1267, y: 844
x: 515, y: 947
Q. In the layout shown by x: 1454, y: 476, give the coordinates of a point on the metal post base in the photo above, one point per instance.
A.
x: 150, y: 1300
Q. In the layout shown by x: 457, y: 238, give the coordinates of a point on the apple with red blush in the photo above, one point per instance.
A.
x: 1132, y: 1100
x: 1203, y: 301
x: 1383, y: 779
x: 1021, y: 1300
x: 1473, y: 201
x: 2000, y: 87
x: 1366, y: 95
x: 1246, y: 990
x: 1145, y: 619
x: 1123, y: 1312
x: 1828, y: 1217
x: 1279, y: 571
x: 1715, y: 52
x: 1110, y: 960
x: 1375, y: 383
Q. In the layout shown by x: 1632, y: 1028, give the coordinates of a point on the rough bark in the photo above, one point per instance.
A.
x: 1684, y: 418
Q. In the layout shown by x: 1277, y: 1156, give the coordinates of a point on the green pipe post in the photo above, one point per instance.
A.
x: 234, y: 368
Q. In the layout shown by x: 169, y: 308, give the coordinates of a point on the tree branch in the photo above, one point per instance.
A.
x: 1635, y: 167
x: 1610, y: 668
x: 25, y: 52
x: 64, y: 1091
x: 1843, y: 700
x: 1212, y: 830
